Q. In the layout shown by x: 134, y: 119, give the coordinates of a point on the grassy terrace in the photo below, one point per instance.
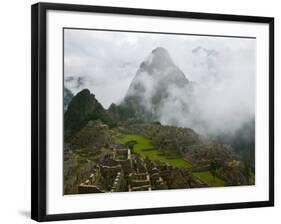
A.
x: 208, y: 178
x: 146, y: 149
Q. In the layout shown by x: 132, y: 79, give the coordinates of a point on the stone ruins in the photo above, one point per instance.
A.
x: 121, y: 171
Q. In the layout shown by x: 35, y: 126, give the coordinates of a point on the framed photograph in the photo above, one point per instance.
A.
x: 140, y: 111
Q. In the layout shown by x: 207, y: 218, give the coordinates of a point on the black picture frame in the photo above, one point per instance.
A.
x: 39, y: 107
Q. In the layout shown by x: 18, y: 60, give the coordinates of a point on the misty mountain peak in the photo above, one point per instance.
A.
x: 155, y: 77
x: 159, y: 59
x: 156, y: 73
x: 160, y: 49
x: 161, y: 52
x: 202, y: 50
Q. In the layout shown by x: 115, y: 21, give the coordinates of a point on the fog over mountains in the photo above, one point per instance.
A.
x: 220, y: 105
x: 161, y: 90
x: 204, y: 83
x: 106, y: 62
x: 184, y: 101
x: 153, y: 81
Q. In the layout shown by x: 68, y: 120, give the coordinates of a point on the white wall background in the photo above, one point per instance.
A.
x: 15, y: 110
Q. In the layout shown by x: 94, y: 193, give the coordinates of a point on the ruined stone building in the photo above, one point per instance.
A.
x: 123, y: 171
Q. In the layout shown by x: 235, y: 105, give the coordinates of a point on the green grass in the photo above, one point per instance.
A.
x: 207, y: 177
x: 142, y: 147
x: 145, y: 148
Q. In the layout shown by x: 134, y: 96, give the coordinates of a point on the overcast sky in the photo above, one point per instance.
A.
x: 106, y: 62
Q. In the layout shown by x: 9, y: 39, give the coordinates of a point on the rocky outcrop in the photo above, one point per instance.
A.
x: 83, y: 108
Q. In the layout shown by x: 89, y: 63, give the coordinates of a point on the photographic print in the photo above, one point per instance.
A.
x: 144, y: 111
x: 157, y: 111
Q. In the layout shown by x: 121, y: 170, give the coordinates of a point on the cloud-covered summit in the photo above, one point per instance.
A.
x: 155, y: 74
x: 109, y: 63
x: 152, y: 82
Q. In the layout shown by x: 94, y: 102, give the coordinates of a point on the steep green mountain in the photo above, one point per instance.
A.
x: 155, y: 75
x: 83, y: 108
x: 155, y: 78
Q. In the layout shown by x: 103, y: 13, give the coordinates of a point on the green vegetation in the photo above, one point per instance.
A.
x: 145, y: 148
x: 81, y: 155
x: 207, y: 177
x: 214, y: 166
x: 130, y: 144
x: 90, y: 135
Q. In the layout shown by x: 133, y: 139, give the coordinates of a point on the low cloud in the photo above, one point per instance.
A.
x: 221, y: 71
